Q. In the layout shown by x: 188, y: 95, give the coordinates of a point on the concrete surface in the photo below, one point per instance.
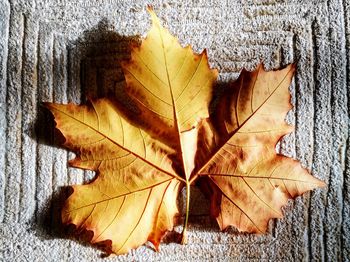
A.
x: 62, y: 50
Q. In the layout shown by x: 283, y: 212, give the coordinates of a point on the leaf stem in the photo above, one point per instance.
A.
x: 184, y: 231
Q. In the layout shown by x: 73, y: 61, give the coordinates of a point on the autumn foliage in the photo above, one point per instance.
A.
x: 174, y: 141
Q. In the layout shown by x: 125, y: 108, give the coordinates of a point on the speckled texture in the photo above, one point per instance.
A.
x: 63, y: 50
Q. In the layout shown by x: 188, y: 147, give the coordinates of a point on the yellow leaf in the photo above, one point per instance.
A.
x: 249, y: 182
x: 143, y: 159
x: 134, y: 196
x: 169, y: 81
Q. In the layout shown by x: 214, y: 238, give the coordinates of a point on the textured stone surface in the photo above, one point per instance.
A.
x: 63, y: 50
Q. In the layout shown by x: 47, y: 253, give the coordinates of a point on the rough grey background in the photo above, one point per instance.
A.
x: 62, y: 50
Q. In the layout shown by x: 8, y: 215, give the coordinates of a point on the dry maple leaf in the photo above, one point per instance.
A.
x: 143, y: 160
x: 247, y: 181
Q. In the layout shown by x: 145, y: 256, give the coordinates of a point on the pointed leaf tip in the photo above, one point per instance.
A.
x: 154, y: 17
x: 150, y: 8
